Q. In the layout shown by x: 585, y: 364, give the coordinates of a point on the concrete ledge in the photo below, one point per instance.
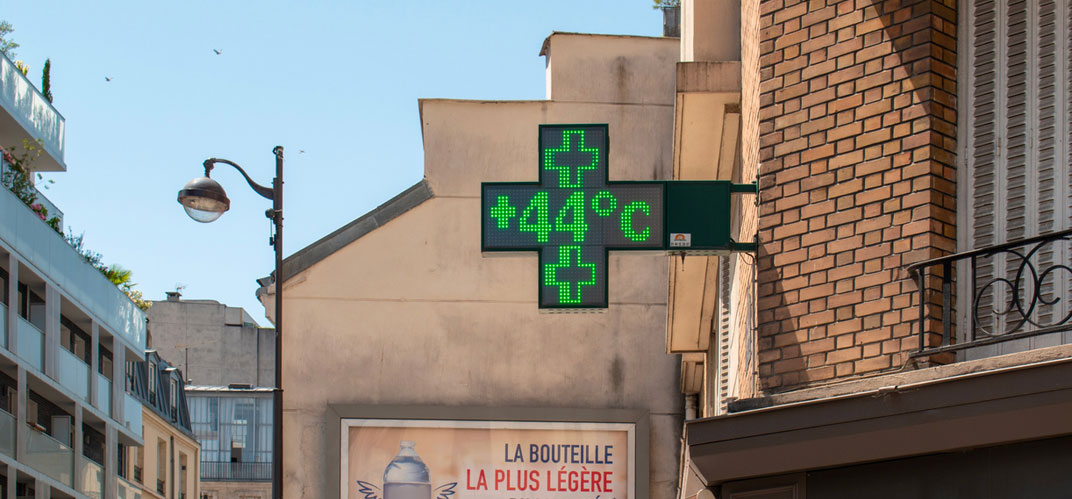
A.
x: 709, y: 76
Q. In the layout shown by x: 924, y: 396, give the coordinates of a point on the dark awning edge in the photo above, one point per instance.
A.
x: 975, y: 410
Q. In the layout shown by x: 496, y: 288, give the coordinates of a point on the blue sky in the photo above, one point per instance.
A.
x: 337, y: 79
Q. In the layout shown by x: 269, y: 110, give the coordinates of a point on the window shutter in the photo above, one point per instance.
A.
x: 1015, y: 180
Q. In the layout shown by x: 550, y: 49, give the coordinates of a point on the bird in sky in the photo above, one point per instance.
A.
x: 301, y: 151
x: 218, y: 51
x: 107, y: 78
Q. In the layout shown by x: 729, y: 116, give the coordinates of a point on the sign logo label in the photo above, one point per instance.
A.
x: 680, y: 240
x: 573, y: 216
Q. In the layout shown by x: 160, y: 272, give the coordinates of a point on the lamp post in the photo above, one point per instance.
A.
x: 205, y: 200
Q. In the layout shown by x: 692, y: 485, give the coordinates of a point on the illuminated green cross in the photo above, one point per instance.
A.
x: 573, y: 216
x: 502, y: 212
x: 571, y: 159
x: 569, y: 260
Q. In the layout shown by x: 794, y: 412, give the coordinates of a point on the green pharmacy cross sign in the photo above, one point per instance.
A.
x: 573, y: 216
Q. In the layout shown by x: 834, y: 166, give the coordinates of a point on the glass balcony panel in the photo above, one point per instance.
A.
x: 104, y: 394
x: 31, y: 344
x: 49, y: 456
x: 74, y: 374
x: 26, y: 106
x: 86, y: 286
x: 3, y: 325
x: 7, y: 433
x: 52, y: 209
x: 92, y: 479
x: 126, y: 490
x: 132, y: 413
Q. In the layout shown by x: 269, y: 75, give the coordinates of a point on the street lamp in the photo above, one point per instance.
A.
x: 205, y: 200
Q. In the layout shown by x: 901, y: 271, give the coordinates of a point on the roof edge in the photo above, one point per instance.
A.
x: 341, y: 237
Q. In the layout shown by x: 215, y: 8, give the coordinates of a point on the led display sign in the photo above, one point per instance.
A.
x: 573, y: 216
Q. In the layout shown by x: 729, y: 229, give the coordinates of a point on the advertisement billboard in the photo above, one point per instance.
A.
x: 443, y: 459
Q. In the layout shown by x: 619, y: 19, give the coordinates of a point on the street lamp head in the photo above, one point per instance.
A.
x: 204, y: 199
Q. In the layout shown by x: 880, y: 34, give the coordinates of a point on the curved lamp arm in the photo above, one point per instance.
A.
x: 265, y: 192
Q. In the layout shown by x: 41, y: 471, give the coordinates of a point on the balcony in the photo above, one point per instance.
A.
x: 238, y: 472
x: 92, y: 479
x: 29, y: 116
x: 996, y: 300
x: 73, y: 374
x: 160, y: 486
x: 49, y: 253
x: 132, y: 413
x: 104, y: 395
x: 49, y: 456
x: 31, y: 343
x: 7, y: 433
x: 126, y: 490
x: 3, y: 325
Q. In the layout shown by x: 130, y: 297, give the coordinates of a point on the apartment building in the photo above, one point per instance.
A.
x: 66, y: 334
x: 229, y: 393
x: 902, y: 330
x: 167, y: 465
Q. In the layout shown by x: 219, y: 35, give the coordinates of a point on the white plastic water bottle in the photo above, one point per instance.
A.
x: 406, y: 476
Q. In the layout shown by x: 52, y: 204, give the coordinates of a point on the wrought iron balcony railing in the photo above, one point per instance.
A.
x: 240, y: 472
x: 1015, y: 290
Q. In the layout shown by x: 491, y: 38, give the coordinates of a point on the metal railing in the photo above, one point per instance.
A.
x: 1014, y: 291
x: 160, y: 485
x: 244, y: 472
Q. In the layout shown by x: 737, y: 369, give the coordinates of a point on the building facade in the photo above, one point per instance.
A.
x: 232, y: 362
x: 66, y: 333
x: 167, y: 464
x: 902, y: 330
x: 397, y: 319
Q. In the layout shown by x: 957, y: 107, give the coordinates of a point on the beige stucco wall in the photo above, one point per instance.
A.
x: 613, y: 69
x: 413, y: 313
x: 711, y: 30
x: 154, y: 431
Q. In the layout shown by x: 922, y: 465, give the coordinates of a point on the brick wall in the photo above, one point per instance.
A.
x: 857, y: 140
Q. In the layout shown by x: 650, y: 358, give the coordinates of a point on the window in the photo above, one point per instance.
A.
x: 174, y: 396
x: 130, y: 376
x: 161, y: 465
x: 138, y: 457
x: 121, y: 460
x: 3, y: 282
x: 104, y: 362
x: 31, y: 306
x: 75, y: 340
x: 151, y: 370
